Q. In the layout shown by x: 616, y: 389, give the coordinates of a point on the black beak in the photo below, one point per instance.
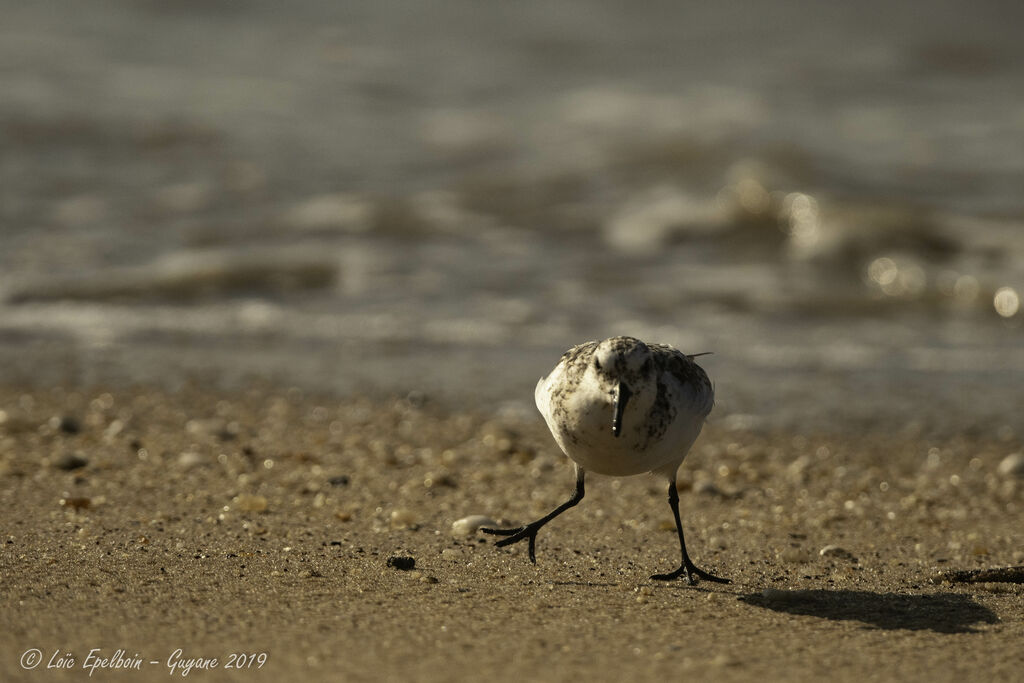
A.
x: 621, y: 399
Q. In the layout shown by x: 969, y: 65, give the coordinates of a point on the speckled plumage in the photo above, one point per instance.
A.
x: 671, y: 396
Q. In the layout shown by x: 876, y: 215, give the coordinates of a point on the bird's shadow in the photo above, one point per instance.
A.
x: 938, y: 612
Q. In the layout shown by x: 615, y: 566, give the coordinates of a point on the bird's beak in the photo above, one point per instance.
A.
x: 622, y: 395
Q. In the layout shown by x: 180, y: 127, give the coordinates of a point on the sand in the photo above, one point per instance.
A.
x: 202, y: 525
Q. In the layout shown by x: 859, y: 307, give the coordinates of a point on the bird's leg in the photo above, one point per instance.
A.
x: 530, y: 530
x: 687, y: 567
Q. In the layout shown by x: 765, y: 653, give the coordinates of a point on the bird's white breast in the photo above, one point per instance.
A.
x: 654, y: 436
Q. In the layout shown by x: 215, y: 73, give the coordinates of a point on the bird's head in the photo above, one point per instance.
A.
x: 623, y: 366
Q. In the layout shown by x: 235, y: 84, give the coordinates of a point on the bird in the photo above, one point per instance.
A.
x: 622, y: 407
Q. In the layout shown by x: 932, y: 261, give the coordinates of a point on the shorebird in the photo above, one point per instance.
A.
x: 622, y: 407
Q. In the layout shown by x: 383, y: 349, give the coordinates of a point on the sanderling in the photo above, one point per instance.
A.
x: 622, y: 407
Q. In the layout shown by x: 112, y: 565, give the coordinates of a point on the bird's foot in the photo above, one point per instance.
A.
x: 528, y: 531
x: 692, y: 573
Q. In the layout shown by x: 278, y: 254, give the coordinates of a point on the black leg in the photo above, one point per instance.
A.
x: 530, y: 530
x: 687, y: 567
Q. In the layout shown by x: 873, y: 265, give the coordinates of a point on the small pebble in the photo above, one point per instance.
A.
x: 250, y: 503
x: 402, y: 563
x: 68, y: 462
x: 69, y: 425
x: 76, y: 503
x: 403, y: 519
x: 467, y: 526
x: 189, y: 459
x: 1012, y: 465
x: 837, y: 552
x: 340, y: 480
x: 209, y: 427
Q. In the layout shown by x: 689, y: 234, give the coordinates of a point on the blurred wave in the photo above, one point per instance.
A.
x: 392, y: 197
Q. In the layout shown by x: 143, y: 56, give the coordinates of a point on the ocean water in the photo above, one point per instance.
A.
x: 441, y: 197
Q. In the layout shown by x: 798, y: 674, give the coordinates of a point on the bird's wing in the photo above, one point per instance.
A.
x: 690, y: 376
x: 579, y: 354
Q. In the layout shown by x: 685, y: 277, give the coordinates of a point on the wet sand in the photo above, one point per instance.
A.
x: 263, y: 522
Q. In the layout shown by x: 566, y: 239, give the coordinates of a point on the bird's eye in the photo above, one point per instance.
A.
x: 597, y: 363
